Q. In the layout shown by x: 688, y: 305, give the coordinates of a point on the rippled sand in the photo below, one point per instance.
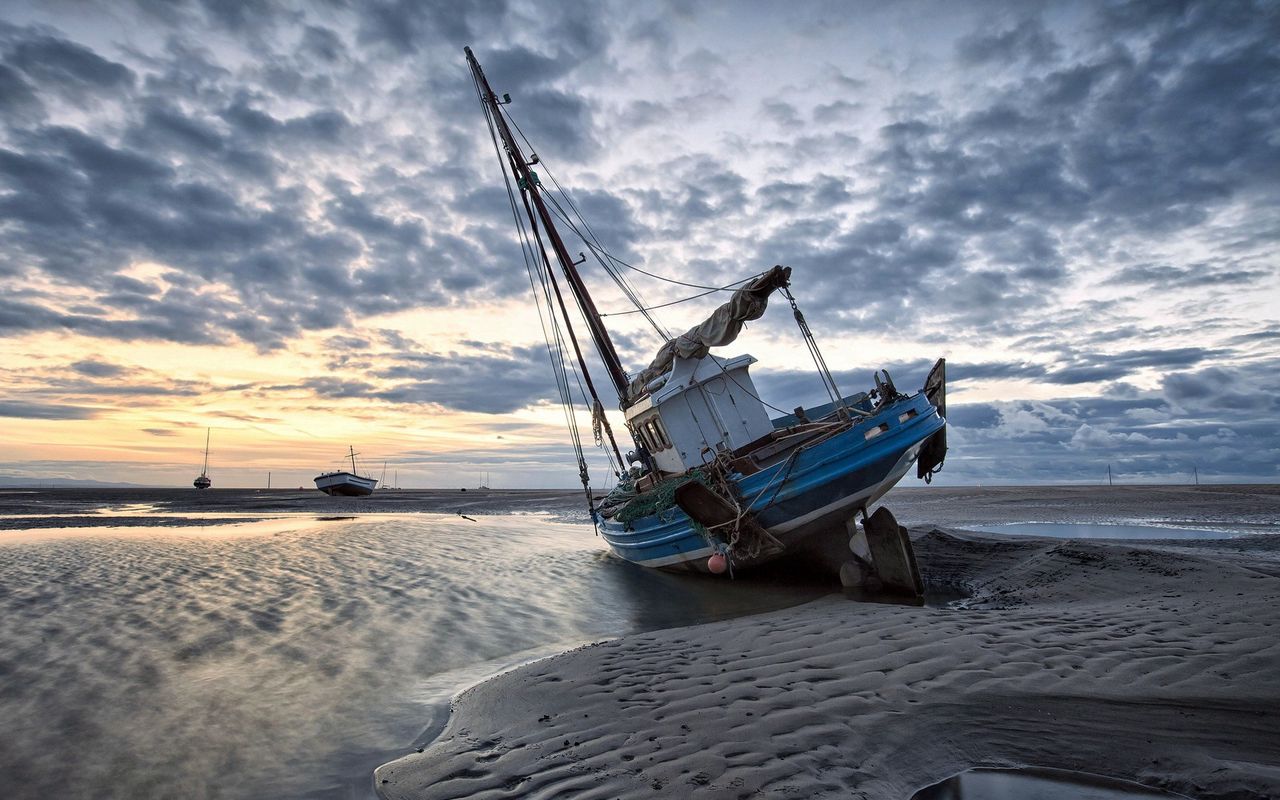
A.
x: 1153, y: 662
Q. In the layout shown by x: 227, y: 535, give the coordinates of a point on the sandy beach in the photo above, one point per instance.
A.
x: 1156, y: 662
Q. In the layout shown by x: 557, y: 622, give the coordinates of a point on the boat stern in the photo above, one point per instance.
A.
x: 934, y: 450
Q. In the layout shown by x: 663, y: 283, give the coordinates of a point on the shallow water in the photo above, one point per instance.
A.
x: 1086, y: 530
x: 1034, y: 784
x: 289, y: 657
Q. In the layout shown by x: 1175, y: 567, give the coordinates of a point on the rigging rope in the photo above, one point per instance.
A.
x: 602, y: 255
x: 552, y: 336
x: 828, y: 381
x: 662, y: 305
x: 621, y: 282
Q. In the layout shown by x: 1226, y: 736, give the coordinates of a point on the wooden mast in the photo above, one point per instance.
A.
x: 530, y: 185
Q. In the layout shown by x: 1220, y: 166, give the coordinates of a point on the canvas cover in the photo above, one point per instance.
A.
x: 721, y: 328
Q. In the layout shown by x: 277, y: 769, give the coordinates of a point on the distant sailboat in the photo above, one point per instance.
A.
x: 345, y: 483
x: 203, y: 481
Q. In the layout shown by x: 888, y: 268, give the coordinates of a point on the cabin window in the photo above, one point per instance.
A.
x: 645, y: 440
x: 662, y: 432
x: 911, y: 412
x: 652, y: 430
x: 876, y: 431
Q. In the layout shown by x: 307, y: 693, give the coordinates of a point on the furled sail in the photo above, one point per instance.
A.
x: 721, y: 328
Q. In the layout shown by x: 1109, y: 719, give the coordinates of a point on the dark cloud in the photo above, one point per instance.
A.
x: 98, y: 369
x: 782, y: 113
x: 1107, y: 367
x: 835, y: 111
x: 322, y: 43
x: 53, y: 411
x: 1027, y: 41
x: 17, y: 96
x: 321, y: 126
x: 406, y: 26
x: 1164, y: 276
x: 563, y: 118
x: 493, y: 383
x: 62, y: 65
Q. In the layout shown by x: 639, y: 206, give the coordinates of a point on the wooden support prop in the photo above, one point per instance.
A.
x: 891, y: 555
x: 713, y: 511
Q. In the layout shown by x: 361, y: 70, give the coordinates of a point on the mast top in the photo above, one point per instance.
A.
x: 530, y: 190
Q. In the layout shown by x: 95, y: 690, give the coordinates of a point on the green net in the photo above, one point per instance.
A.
x: 658, y: 499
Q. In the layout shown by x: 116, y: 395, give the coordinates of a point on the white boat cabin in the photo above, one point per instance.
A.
x: 701, y: 407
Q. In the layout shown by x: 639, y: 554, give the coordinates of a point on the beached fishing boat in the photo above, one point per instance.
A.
x: 714, y: 481
x: 203, y: 481
x: 348, y: 484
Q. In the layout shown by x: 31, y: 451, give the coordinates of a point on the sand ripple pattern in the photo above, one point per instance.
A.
x: 1148, y: 663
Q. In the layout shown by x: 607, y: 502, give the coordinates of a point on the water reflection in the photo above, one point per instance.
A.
x: 1085, y: 530
x: 1037, y: 784
x: 288, y: 658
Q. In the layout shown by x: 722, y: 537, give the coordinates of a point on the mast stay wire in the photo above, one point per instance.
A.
x: 589, y: 238
x: 554, y: 337
x: 618, y: 278
x: 640, y: 308
x: 604, y: 251
x: 597, y: 248
x: 828, y: 382
x: 547, y: 280
x: 660, y: 305
x: 593, y: 243
x: 552, y: 283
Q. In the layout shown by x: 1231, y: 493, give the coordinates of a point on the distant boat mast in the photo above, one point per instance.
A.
x: 203, y: 482
x: 1109, y: 481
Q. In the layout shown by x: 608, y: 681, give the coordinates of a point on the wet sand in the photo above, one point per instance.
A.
x: 1157, y: 662
x: 288, y: 657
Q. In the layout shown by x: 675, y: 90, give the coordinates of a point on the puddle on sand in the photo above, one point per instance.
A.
x: 1037, y: 784
x: 1087, y: 530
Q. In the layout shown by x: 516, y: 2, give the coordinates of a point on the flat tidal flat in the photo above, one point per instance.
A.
x: 244, y: 644
x: 282, y: 644
x: 1156, y: 662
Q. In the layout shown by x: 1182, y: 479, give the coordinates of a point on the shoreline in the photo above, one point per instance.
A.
x: 1153, y: 662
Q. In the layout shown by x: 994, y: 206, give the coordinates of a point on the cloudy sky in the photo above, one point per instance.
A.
x: 285, y: 222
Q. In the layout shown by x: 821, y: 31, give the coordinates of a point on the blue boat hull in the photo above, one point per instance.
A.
x: 814, y: 491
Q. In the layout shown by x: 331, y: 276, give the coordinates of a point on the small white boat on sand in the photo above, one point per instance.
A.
x: 348, y: 484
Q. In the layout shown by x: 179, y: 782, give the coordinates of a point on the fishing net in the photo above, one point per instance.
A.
x: 658, y: 499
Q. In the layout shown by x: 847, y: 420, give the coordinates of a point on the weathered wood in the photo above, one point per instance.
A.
x: 719, y: 515
x: 705, y: 506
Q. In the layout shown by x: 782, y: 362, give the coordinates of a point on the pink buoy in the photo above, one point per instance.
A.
x: 717, y: 563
